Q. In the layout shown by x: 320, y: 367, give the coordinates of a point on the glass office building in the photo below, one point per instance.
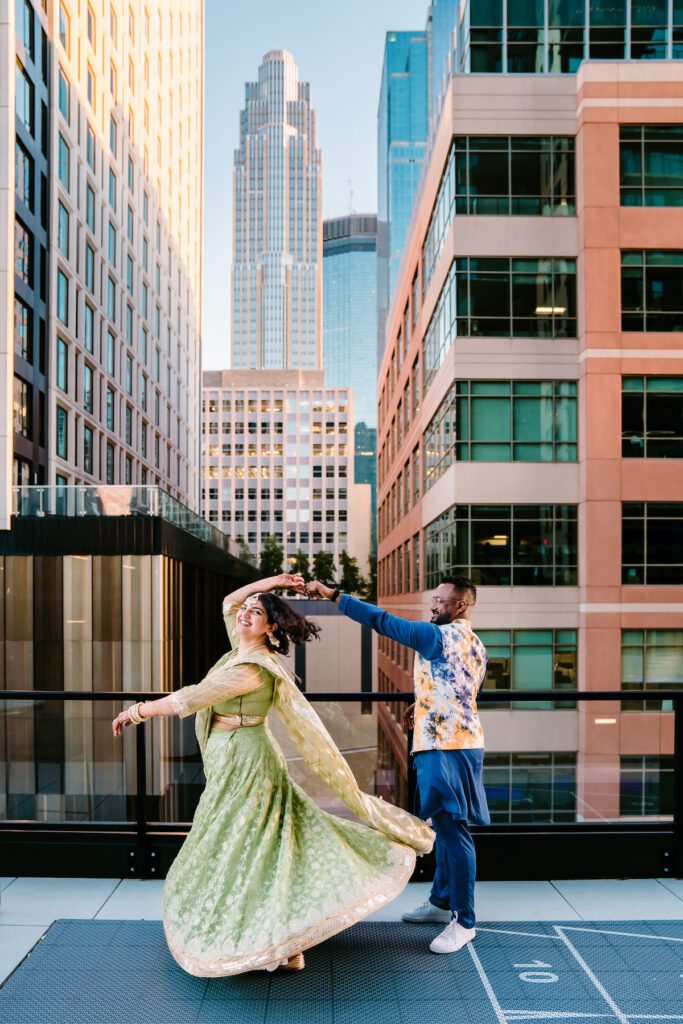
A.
x: 401, y: 144
x: 349, y: 325
x: 277, y: 256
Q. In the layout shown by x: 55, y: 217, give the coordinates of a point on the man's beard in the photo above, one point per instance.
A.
x: 440, y: 619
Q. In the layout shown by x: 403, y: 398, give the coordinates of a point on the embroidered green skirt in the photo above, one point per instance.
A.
x: 265, y: 873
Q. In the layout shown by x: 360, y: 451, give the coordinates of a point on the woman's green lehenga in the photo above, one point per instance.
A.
x: 264, y: 872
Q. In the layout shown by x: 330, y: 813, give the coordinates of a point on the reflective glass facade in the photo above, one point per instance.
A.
x: 530, y: 37
x: 401, y: 144
x: 349, y: 330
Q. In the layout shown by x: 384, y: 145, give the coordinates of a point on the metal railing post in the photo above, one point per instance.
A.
x: 141, y: 817
x: 678, y: 789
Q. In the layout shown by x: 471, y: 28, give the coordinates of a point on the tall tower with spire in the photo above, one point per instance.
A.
x: 277, y: 217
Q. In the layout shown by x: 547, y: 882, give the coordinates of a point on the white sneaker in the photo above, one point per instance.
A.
x: 452, y: 938
x: 427, y: 913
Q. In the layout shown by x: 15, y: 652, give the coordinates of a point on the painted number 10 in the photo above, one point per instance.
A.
x: 530, y: 972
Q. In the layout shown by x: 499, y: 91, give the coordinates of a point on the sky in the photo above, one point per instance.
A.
x: 338, y: 46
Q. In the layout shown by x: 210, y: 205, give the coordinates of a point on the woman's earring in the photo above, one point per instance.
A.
x: 273, y: 639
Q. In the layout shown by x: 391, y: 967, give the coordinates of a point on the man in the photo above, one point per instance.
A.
x: 448, y: 742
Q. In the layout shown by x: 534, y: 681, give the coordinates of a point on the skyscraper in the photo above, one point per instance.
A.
x: 349, y: 330
x: 102, y: 145
x: 277, y: 258
x: 402, y: 123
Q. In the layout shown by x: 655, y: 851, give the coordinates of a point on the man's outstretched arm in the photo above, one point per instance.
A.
x: 423, y: 637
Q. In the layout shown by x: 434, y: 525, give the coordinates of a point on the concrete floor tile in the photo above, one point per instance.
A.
x: 15, y: 942
x: 674, y: 885
x: 620, y: 899
x: 34, y: 901
x: 521, y: 901
x: 134, y: 900
x: 412, y: 896
x: 4, y: 882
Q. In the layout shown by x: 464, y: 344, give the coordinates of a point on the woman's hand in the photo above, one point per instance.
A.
x: 288, y: 581
x: 120, y: 722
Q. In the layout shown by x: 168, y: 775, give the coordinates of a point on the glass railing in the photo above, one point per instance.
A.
x: 118, y: 500
x: 592, y: 767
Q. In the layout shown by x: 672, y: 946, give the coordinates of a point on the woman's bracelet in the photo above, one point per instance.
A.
x: 136, y: 717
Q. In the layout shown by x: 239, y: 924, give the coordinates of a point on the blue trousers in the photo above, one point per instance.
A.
x: 456, y: 867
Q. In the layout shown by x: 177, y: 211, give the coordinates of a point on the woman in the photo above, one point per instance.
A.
x: 265, y: 873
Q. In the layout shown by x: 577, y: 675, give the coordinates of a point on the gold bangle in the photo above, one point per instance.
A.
x: 136, y: 717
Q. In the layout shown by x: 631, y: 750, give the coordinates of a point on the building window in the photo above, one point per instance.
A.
x: 530, y: 659
x: 112, y: 190
x: 89, y: 328
x: 25, y: 26
x: 651, y: 165
x: 63, y: 297
x: 91, y: 149
x: 129, y: 374
x: 646, y: 785
x: 652, y: 290
x: 110, y: 463
x: 23, y: 98
x: 501, y: 421
x: 91, y: 26
x: 90, y: 208
x: 61, y: 434
x: 110, y: 409
x: 129, y: 425
x: 531, y: 787
x: 499, y: 174
x: 111, y: 299
x: 111, y: 354
x: 23, y: 330
x: 63, y: 162
x: 651, y: 659
x: 652, y: 417
x: 23, y: 400
x: 90, y: 268
x: 518, y: 298
x: 129, y: 469
x: 652, y: 542
x: 62, y: 364
x: 64, y: 28
x: 23, y: 253
x: 111, y: 244
x: 64, y: 95
x: 87, y: 388
x: 129, y: 274
x: 113, y: 134
x: 504, y: 545
x: 87, y: 449
x: 63, y: 229
x: 23, y: 175
x: 90, y: 74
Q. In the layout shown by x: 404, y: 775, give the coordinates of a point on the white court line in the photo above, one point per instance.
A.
x: 502, y: 1019
x: 631, y: 935
x: 531, y: 935
x: 551, y: 1014
x: 601, y: 989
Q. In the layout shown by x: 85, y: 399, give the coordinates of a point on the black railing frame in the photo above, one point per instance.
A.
x: 143, y: 830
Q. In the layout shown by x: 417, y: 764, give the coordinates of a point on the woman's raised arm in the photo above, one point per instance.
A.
x: 285, y: 581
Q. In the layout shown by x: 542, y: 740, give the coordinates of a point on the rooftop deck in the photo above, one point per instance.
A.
x: 587, y: 950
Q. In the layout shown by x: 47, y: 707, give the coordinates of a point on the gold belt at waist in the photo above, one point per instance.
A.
x: 237, y: 721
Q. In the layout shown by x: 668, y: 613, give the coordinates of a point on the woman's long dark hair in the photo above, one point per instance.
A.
x: 289, y: 625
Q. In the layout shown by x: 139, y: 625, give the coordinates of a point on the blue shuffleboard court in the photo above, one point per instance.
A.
x: 589, y: 972
x: 120, y: 972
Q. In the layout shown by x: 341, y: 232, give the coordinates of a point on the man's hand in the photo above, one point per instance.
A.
x: 317, y: 589
x: 409, y: 717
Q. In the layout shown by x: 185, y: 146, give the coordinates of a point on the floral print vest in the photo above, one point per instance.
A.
x: 446, y: 692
